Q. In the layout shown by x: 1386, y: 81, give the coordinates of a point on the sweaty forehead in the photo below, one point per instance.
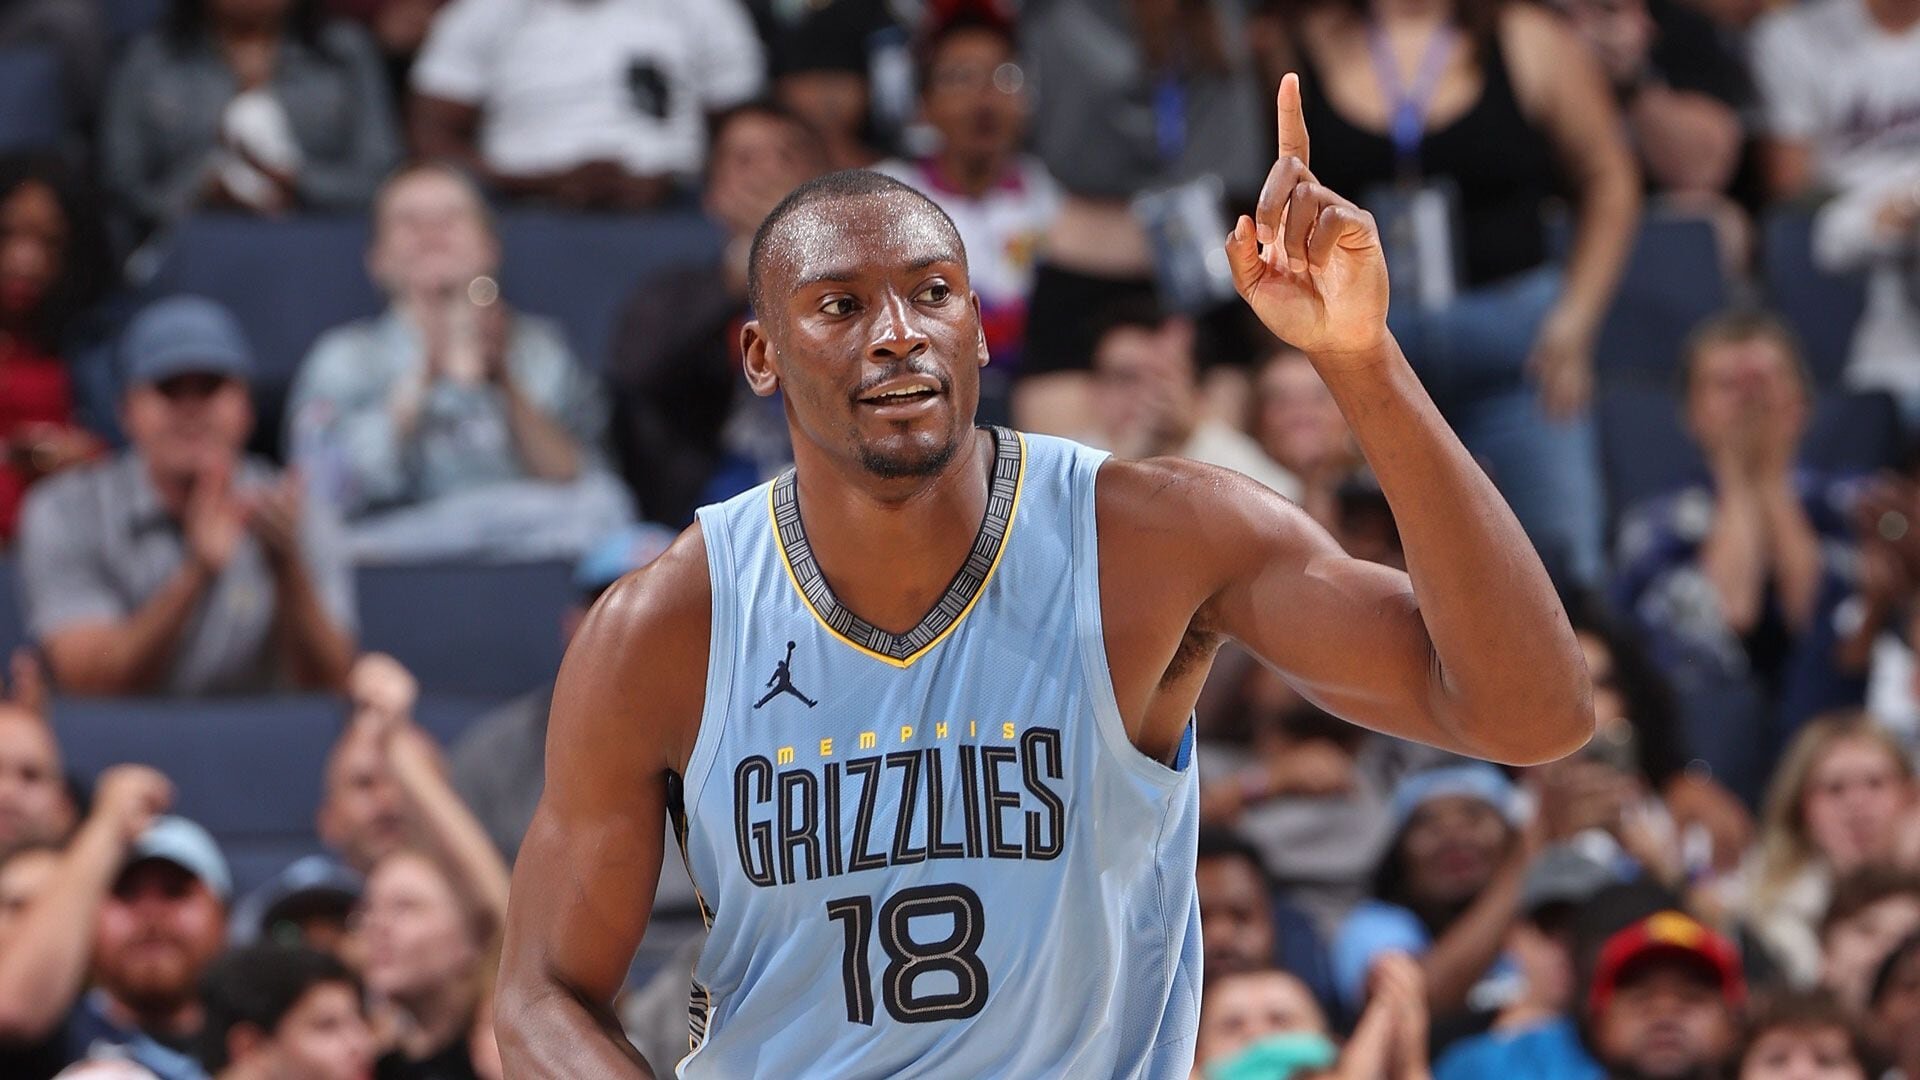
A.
x: 864, y: 234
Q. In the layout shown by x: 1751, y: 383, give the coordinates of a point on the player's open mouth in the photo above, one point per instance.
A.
x: 899, y: 398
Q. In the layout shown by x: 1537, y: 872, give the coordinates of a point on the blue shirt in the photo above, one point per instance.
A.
x: 1550, y: 1051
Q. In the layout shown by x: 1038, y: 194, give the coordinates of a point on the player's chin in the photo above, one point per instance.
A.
x: 902, y: 450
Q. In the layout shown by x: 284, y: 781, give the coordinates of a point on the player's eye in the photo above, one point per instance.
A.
x: 935, y: 293
x: 839, y: 305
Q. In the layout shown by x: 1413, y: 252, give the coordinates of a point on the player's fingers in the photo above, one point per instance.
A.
x: 1269, y: 214
x: 1337, y: 221
x: 1293, y: 120
x: 1243, y: 255
x: 1303, y: 213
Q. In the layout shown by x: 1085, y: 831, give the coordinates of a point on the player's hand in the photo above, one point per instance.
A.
x: 1309, y: 262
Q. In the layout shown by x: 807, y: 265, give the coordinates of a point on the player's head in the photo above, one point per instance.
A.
x: 865, y: 320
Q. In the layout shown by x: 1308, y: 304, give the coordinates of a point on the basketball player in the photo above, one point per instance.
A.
x: 956, y: 838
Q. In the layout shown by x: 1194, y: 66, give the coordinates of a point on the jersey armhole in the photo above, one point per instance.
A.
x: 718, y: 701
x: 1093, y: 639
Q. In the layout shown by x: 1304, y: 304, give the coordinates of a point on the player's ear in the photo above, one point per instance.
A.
x: 980, y: 329
x: 756, y: 356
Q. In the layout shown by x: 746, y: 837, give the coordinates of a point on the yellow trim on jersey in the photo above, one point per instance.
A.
x: 1013, y: 514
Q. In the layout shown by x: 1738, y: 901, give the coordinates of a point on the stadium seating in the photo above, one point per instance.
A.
x: 246, y: 768
x: 489, y: 631
x: 1821, y: 307
x: 33, y: 113
x: 127, y: 19
x: 289, y: 280
x: 1673, y: 279
x: 13, y: 630
x: 1645, y: 450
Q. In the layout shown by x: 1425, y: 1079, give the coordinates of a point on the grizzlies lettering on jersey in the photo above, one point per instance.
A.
x: 933, y: 853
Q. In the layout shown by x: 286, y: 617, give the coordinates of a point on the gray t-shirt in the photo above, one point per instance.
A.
x: 96, y: 544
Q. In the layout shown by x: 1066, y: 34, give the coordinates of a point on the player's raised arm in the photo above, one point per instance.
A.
x: 625, y: 713
x: 1474, y: 652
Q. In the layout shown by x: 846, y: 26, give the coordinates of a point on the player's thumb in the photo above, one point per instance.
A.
x: 1243, y: 255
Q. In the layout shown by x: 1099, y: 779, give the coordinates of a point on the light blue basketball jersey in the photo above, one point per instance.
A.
x: 937, y: 854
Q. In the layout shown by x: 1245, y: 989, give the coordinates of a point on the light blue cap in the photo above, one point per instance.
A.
x: 1473, y: 779
x: 184, y: 335
x: 189, y: 847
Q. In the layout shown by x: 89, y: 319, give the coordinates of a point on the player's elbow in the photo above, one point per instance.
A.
x: 1533, y: 729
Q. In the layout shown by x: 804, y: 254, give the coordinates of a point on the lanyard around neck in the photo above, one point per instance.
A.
x: 1408, y: 104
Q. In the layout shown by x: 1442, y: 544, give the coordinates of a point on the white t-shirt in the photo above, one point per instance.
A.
x: 1832, y: 76
x: 563, y: 82
x: 1002, y: 229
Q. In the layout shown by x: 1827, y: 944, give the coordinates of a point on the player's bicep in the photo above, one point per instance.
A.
x: 1345, y: 632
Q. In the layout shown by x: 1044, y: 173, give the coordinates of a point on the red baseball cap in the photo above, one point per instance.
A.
x: 1666, y: 935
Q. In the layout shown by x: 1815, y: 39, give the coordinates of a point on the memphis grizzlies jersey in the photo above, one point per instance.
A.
x: 934, y: 854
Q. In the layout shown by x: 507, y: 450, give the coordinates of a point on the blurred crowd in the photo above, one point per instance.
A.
x: 1725, y: 883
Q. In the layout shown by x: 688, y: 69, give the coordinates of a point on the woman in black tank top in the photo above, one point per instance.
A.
x: 1456, y: 122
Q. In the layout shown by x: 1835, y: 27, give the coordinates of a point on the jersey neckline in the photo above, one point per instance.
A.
x: 901, y: 650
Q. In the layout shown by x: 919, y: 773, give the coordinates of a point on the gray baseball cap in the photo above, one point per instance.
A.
x: 189, y: 847
x: 184, y: 335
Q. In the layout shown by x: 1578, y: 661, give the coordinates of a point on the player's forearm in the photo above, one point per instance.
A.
x: 1508, y: 681
x: 547, y: 1032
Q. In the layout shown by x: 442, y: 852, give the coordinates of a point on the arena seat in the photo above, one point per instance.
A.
x: 128, y: 19
x: 579, y: 269
x: 1645, y: 449
x: 287, y: 282
x: 483, y: 630
x: 1822, y: 308
x: 1673, y: 279
x: 249, y: 769
x: 33, y: 109
x: 13, y: 624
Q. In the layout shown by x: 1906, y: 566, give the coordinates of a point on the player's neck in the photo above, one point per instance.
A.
x: 889, y: 548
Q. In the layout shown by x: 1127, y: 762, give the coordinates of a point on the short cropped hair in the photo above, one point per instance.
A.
x: 845, y: 184
x: 260, y: 985
x: 1738, y: 326
x: 1800, y: 1011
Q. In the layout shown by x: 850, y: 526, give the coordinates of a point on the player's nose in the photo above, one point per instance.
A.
x: 897, y: 333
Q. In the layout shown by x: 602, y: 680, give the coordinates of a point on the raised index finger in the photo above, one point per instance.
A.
x: 1293, y: 122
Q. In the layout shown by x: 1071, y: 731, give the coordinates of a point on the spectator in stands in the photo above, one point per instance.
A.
x: 1245, y: 926
x: 52, y: 265
x: 309, y: 903
x: 1535, y: 1033
x: 278, y: 1013
x: 1266, y: 1008
x: 1147, y: 398
x: 1680, y: 87
x: 499, y: 763
x: 1893, y: 1009
x: 428, y: 943
x: 1639, y: 732
x: 1735, y: 583
x: 137, y: 901
x: 449, y: 426
x: 181, y: 566
x: 1665, y: 1002
x: 1836, y: 79
x: 1501, y: 334
x: 1801, y: 1037
x: 1301, y: 429
x: 1446, y: 893
x: 1873, y: 909
x: 387, y: 790
x: 822, y: 72
x: 686, y: 428
x: 1127, y: 99
x: 1003, y: 202
x: 35, y: 804
x: 399, y: 28
x: 262, y: 107
x: 598, y: 105
x: 1842, y: 797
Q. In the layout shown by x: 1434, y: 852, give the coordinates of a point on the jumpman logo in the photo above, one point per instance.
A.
x: 782, y: 682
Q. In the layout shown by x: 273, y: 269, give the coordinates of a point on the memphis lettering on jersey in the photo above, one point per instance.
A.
x: 959, y: 791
